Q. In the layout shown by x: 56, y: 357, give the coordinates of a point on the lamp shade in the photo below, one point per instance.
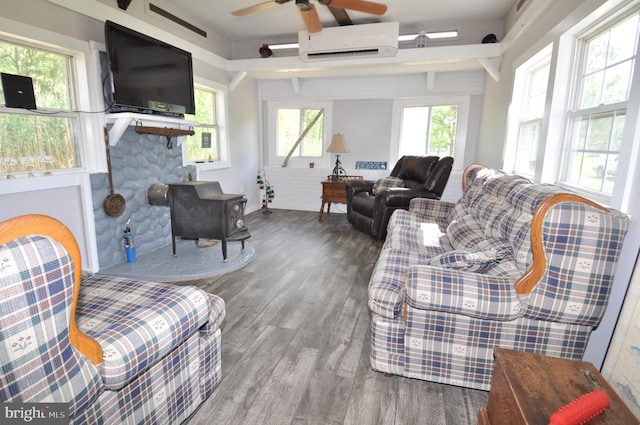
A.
x: 338, y: 144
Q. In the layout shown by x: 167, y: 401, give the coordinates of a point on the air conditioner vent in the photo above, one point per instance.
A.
x: 343, y: 53
x: 165, y: 14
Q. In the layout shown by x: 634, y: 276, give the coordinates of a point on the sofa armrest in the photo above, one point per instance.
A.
x: 216, y: 315
x: 462, y: 292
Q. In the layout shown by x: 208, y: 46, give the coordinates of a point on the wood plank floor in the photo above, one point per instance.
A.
x: 295, y: 341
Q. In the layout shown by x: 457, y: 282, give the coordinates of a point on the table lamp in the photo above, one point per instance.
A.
x: 338, y: 145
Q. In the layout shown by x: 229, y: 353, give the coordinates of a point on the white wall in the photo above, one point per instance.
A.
x: 366, y: 125
x: 363, y: 112
x: 66, y: 198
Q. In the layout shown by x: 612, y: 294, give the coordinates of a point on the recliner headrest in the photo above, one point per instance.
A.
x: 417, y: 168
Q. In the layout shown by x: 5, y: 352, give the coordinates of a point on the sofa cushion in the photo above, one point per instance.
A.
x: 479, y: 261
x: 465, y: 232
x: 424, y: 238
x: 386, y: 183
x: 137, y: 323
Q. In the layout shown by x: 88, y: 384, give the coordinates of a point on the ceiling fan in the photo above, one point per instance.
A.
x: 310, y: 14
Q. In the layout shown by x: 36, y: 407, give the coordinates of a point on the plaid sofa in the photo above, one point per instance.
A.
x: 513, y: 264
x: 160, y: 342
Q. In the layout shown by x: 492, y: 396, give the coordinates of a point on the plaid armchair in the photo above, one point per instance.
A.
x: 116, y: 350
x: 513, y: 264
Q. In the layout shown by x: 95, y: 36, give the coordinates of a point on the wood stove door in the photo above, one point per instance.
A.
x: 235, y: 216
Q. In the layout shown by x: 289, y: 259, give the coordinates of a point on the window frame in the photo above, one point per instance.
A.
x: 459, y: 150
x: 222, y: 124
x: 272, y: 136
x: 517, y: 110
x: 85, y: 96
x: 578, y: 43
x: 78, y: 85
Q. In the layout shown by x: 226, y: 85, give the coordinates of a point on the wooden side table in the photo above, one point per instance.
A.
x: 335, y: 191
x: 528, y: 388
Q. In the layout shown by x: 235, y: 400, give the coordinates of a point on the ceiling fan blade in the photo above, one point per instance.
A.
x: 357, y: 5
x: 255, y: 8
x: 341, y: 16
x: 311, y: 18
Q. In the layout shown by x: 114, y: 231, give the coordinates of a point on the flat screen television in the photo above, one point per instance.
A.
x: 148, y: 75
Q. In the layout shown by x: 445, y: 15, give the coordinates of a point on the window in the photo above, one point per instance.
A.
x: 209, y: 146
x: 526, y: 114
x: 428, y: 130
x: 597, y: 115
x: 204, y: 144
x: 305, y: 121
x: 37, y: 141
x: 292, y: 123
x: 432, y: 125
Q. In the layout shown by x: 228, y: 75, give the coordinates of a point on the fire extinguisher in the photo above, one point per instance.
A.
x: 129, y: 248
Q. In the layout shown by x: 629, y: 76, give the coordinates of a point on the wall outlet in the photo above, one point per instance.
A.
x: 241, y: 189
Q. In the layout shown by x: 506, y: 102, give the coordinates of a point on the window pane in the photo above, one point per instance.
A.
x: 415, y: 125
x: 599, y: 132
x: 609, y: 65
x: 33, y: 141
x: 591, y: 90
x: 49, y: 71
x: 288, y: 131
x: 597, y: 53
x: 623, y: 39
x: 442, y: 135
x: 203, y: 145
x: 593, y: 156
x: 30, y: 143
x: 205, y: 107
x: 312, y: 143
x: 537, y: 94
x: 291, y: 123
x: 617, y: 83
x: 527, y: 149
x: 428, y: 130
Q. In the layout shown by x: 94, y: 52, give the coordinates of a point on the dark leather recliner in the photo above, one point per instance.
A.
x: 422, y: 177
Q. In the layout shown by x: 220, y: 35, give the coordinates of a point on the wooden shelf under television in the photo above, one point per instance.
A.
x: 148, y: 124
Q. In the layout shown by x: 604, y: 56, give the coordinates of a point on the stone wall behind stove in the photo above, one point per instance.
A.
x: 137, y: 162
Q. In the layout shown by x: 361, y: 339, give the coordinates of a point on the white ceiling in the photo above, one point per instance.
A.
x: 284, y: 20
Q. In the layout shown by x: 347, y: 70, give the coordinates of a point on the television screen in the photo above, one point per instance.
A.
x: 148, y: 74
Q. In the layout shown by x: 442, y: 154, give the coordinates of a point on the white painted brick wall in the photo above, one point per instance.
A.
x: 300, y: 188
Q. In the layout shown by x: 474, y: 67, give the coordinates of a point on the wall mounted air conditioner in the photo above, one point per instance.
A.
x: 350, y: 41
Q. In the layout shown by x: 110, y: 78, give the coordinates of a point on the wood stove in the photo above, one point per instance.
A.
x: 200, y: 210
